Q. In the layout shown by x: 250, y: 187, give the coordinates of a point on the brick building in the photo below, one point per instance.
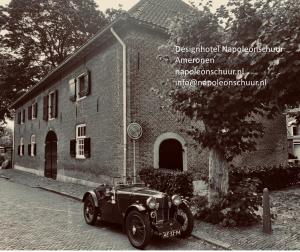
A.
x: 72, y: 125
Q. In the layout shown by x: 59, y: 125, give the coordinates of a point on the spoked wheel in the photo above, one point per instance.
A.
x: 186, y: 220
x: 138, y: 229
x: 90, y: 211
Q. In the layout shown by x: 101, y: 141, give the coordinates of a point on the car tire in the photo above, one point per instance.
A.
x: 186, y: 220
x: 138, y: 229
x: 90, y: 211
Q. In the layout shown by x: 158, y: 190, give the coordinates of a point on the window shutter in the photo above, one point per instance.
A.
x: 72, y: 90
x: 23, y: 117
x: 19, y: 118
x: 29, y: 149
x: 87, y: 147
x: 30, y: 112
x: 35, y: 109
x: 55, y: 105
x: 19, y: 148
x: 45, y: 108
x: 73, y: 148
x: 34, y: 149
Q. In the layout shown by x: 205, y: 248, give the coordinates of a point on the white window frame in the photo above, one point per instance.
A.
x: 21, y: 146
x: 33, y: 110
x: 32, y: 142
x: 50, y: 105
x: 77, y: 87
x: 80, y: 142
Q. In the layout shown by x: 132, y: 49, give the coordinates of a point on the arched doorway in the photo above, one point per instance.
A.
x: 170, y: 155
x: 170, y: 151
x: 51, y: 155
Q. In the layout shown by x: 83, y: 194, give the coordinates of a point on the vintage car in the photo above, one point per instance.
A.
x: 142, y: 212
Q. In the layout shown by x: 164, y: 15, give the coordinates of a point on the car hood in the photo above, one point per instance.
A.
x: 142, y: 191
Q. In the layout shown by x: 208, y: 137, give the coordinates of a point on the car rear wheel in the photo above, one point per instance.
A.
x: 90, y: 211
x: 138, y: 229
x: 186, y: 220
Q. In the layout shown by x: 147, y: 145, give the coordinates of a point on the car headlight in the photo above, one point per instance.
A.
x: 176, y: 199
x: 151, y: 202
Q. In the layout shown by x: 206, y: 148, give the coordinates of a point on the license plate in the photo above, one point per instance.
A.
x: 172, y: 233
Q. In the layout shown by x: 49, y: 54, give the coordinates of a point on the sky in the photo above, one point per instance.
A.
x: 126, y: 4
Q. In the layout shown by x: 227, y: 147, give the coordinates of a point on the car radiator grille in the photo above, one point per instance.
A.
x: 163, y: 212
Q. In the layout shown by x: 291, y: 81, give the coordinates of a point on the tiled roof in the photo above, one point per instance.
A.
x: 159, y: 12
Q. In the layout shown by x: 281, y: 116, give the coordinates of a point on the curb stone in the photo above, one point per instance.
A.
x: 205, y: 237
x: 58, y: 192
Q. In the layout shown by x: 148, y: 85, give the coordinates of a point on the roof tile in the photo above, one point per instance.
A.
x: 159, y: 12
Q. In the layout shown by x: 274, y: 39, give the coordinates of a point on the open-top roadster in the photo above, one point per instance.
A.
x: 141, y: 211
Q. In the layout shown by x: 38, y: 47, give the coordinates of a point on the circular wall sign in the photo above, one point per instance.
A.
x: 134, y: 131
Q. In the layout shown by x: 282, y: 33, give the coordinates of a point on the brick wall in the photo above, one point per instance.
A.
x: 100, y: 111
x: 147, y: 72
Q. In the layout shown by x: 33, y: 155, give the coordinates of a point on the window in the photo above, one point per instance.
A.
x: 80, y: 146
x: 21, y: 147
x: 34, y: 110
x: 51, y: 114
x: 80, y: 136
x: 50, y: 106
x: 296, y: 130
x: 32, y: 147
x: 80, y: 86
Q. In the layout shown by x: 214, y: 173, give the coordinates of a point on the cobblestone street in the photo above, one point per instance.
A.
x: 31, y: 218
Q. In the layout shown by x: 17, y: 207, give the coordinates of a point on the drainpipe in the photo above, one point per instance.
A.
x: 124, y: 101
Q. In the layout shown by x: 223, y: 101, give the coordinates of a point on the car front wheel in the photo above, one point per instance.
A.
x: 186, y: 220
x: 90, y: 211
x: 138, y: 229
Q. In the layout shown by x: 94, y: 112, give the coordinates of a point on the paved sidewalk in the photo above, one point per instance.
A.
x: 74, y: 191
x: 286, y: 227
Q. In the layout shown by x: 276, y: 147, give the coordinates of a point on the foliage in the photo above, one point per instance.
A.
x: 171, y: 182
x: 271, y: 177
x: 48, y: 31
x: 6, y: 137
x: 238, y: 208
x: 224, y: 119
x: 2, y: 159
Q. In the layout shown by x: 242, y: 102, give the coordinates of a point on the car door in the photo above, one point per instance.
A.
x: 110, y: 211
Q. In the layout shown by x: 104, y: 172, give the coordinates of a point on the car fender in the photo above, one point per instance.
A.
x: 135, y: 206
x: 94, y: 197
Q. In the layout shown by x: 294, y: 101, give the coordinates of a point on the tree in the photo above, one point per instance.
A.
x: 38, y: 35
x: 224, y: 119
x: 48, y: 31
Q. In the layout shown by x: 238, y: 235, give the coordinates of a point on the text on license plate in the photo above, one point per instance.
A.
x: 171, y: 233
